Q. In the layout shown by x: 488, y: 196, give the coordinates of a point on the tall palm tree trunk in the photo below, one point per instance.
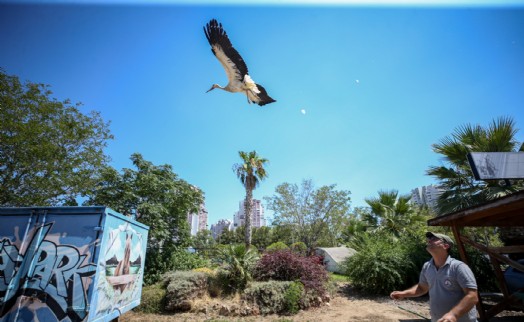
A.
x: 247, y: 210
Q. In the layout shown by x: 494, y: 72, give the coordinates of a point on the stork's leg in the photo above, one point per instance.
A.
x: 248, y: 101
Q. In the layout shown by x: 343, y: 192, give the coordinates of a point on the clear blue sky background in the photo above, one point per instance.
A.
x: 378, y: 84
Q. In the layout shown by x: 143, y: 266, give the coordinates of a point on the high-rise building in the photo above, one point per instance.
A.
x: 193, y: 223
x: 202, y: 217
x: 198, y: 222
x: 218, y: 228
x: 257, y: 214
x: 426, y: 195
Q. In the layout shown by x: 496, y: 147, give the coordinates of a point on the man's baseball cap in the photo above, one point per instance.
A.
x: 442, y: 237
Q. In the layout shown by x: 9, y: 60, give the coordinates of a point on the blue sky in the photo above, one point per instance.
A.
x: 362, y: 90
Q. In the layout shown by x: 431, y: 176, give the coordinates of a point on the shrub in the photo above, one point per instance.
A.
x: 184, y: 260
x: 382, y: 264
x: 159, y: 263
x: 276, y: 247
x: 206, y: 270
x: 299, y: 248
x: 153, y: 299
x: 236, y: 268
x: 286, y: 265
x: 292, y: 297
x: 183, y: 286
x: 279, y: 297
x: 268, y: 296
x: 215, y: 282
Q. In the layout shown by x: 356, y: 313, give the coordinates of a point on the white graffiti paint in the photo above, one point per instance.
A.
x: 48, y: 271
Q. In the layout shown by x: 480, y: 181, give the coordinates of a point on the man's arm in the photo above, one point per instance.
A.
x: 464, y: 306
x: 414, y: 291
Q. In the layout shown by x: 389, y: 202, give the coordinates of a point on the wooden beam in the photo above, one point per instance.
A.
x: 499, y: 257
x: 508, y: 249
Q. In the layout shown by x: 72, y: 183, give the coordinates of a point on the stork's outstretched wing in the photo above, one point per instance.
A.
x: 224, y: 51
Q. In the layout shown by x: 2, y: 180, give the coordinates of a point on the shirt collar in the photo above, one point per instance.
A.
x: 448, y: 261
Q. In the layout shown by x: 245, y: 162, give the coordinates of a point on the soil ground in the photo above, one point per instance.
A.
x: 346, y: 306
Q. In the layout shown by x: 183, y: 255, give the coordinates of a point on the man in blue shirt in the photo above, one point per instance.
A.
x: 451, y: 284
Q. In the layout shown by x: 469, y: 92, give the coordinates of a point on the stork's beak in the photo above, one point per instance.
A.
x: 209, y: 90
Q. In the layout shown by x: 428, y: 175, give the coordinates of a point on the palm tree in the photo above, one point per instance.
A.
x: 237, y: 264
x: 456, y: 178
x: 250, y: 173
x: 392, y: 213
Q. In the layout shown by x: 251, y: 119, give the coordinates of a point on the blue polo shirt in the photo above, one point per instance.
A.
x: 445, y: 287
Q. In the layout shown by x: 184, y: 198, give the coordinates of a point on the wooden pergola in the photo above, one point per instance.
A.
x: 507, y: 211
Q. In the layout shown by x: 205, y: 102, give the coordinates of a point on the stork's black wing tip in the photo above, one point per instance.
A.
x: 263, y: 97
x: 267, y: 101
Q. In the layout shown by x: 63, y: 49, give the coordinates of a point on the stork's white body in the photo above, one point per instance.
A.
x: 234, y: 65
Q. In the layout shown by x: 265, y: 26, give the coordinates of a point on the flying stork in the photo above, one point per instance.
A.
x: 236, y: 69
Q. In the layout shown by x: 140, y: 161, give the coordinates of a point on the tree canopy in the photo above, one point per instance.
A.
x: 455, y: 176
x: 317, y: 215
x: 50, y: 152
x: 158, y: 197
x: 393, y: 213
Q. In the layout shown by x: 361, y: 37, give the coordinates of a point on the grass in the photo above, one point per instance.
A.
x: 334, y: 277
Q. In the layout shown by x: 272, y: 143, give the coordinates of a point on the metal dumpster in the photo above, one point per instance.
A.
x: 69, y: 263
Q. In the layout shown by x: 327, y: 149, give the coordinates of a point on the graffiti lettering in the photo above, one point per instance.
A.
x: 46, y: 268
x: 8, y: 258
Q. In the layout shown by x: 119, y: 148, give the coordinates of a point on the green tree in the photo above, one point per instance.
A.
x: 317, y: 215
x: 230, y: 236
x: 393, y: 213
x: 204, y: 243
x: 50, y: 152
x: 250, y: 172
x: 357, y: 224
x: 262, y: 237
x: 283, y: 233
x: 159, y: 198
x: 455, y: 176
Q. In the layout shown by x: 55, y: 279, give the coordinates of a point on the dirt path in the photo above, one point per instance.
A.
x: 340, y: 309
x: 346, y: 306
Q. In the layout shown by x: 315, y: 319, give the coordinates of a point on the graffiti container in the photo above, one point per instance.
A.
x: 69, y: 263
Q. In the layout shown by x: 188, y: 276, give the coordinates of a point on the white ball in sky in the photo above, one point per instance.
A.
x: 303, y: 111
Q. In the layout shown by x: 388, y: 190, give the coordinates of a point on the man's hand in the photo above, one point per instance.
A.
x: 448, y: 317
x: 397, y: 295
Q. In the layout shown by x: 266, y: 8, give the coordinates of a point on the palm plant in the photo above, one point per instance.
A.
x: 456, y: 178
x: 237, y: 264
x: 391, y: 212
x: 250, y: 172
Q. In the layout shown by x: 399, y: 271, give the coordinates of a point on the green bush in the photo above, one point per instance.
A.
x: 299, y: 248
x: 176, y: 258
x: 153, y: 299
x: 276, y: 247
x: 292, y: 297
x: 182, y: 286
x: 382, y: 264
x: 282, y: 297
x: 268, y: 296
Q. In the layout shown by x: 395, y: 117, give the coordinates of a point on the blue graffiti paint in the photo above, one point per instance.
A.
x: 8, y: 261
x: 46, y: 270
